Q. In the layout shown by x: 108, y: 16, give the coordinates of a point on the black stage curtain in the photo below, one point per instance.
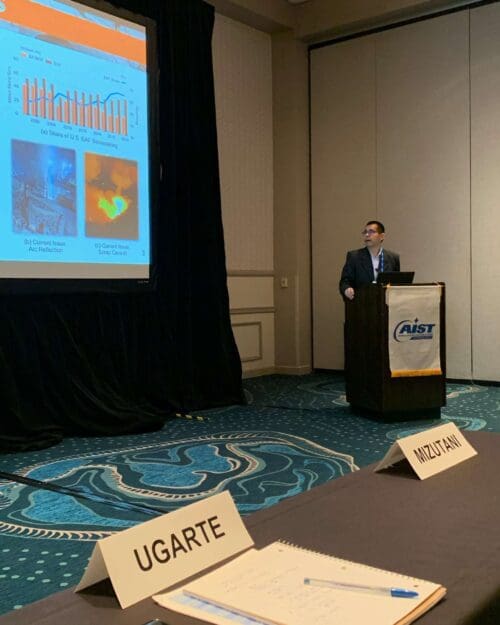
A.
x: 108, y: 364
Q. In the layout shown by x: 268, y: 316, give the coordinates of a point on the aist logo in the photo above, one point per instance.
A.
x: 413, y: 331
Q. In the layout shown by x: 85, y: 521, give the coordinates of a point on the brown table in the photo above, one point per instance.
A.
x: 445, y: 529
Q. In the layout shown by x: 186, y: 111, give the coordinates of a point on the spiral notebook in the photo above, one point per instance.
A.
x: 267, y: 586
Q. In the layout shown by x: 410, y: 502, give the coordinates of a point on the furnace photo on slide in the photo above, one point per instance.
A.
x: 43, y: 189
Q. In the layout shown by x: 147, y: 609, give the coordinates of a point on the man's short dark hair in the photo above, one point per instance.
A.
x: 379, y: 224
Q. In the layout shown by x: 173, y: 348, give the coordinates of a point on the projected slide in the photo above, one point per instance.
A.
x: 74, y: 142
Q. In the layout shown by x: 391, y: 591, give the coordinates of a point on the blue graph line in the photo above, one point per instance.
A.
x: 92, y: 103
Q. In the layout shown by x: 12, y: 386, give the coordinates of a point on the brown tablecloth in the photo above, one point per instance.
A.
x: 445, y: 529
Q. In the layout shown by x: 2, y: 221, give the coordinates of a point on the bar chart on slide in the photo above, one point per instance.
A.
x: 107, y: 112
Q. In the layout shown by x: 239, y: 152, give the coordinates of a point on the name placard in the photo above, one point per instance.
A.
x: 430, y: 452
x: 159, y: 553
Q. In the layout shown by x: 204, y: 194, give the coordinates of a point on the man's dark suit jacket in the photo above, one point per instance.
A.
x: 358, y: 268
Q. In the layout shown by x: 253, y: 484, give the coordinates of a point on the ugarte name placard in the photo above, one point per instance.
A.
x: 159, y: 553
x: 431, y: 451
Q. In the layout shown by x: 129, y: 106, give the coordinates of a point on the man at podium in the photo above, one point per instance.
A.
x: 363, y: 266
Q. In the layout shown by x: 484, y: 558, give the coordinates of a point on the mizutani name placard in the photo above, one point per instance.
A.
x: 157, y: 554
x: 431, y: 451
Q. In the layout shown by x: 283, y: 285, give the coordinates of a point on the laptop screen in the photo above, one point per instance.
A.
x: 395, y: 277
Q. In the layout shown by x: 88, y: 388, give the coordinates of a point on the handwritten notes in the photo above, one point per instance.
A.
x: 268, y: 585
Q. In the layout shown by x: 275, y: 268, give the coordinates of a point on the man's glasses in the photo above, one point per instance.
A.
x: 369, y: 231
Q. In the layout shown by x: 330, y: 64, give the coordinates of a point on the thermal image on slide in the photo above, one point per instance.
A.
x: 111, y: 210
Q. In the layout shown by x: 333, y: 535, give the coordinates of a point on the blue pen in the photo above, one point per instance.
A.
x: 377, y: 590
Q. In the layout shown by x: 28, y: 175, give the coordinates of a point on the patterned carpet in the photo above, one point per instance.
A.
x: 295, y: 433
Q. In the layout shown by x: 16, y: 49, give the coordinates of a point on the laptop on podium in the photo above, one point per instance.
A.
x: 395, y: 277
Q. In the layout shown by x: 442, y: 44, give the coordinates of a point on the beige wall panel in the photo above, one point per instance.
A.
x: 292, y: 232
x: 423, y: 188
x: 243, y: 94
x: 247, y: 292
x: 343, y: 182
x: 485, y: 187
x: 254, y: 336
x: 249, y: 340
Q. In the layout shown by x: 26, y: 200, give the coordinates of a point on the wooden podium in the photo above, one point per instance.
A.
x: 369, y: 385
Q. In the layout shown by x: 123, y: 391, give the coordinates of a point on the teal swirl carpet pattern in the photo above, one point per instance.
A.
x: 295, y: 433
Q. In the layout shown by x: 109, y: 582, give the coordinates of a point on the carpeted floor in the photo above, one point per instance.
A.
x: 295, y: 433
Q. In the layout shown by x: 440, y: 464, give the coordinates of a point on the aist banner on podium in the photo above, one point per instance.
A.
x: 414, y: 330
